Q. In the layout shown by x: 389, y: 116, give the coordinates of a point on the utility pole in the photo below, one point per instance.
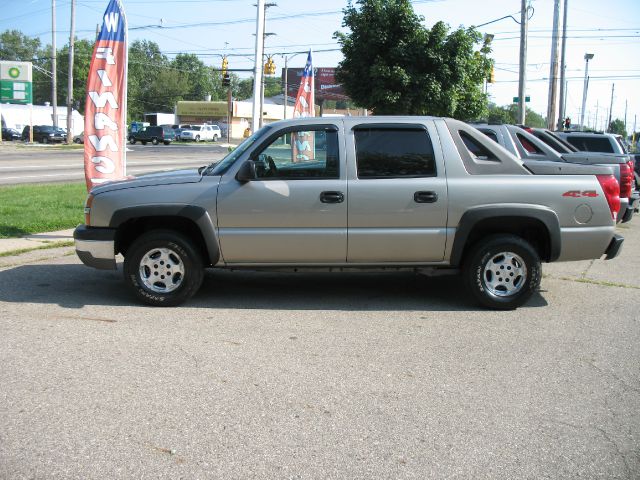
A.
x: 257, y: 71
x: 563, y: 67
x: 613, y: 86
x: 523, y: 63
x: 54, y: 66
x: 70, y: 82
x: 553, y: 73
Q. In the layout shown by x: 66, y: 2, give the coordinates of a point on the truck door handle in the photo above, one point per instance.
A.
x: 332, y: 197
x: 425, y: 197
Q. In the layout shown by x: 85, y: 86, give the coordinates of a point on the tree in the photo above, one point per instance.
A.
x: 393, y: 65
x: 198, y: 76
x: 509, y: 115
x: 617, y: 127
x: 146, y: 61
x: 16, y: 46
x: 81, y: 62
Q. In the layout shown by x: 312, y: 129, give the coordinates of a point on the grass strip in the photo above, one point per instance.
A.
x: 29, y: 209
x: 47, y: 246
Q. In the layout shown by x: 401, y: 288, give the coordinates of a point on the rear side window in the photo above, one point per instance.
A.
x: 528, y: 145
x: 393, y: 153
x: 591, y: 144
x: 476, y: 149
x: 491, y: 134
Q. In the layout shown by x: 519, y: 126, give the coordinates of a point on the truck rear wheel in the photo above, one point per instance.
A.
x: 154, y: 141
x: 502, y: 271
x: 163, y: 268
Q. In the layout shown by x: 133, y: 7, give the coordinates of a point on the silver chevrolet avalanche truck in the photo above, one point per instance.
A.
x: 417, y: 193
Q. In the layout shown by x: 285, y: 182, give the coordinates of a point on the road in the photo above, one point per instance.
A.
x: 21, y: 163
x: 307, y: 376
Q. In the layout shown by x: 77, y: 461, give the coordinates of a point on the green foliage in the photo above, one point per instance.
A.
x: 617, y: 127
x: 509, y: 114
x: 393, y: 65
x: 26, y: 209
x: 16, y: 46
x: 81, y: 62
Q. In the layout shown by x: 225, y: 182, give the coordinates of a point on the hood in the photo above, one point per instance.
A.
x: 151, y: 179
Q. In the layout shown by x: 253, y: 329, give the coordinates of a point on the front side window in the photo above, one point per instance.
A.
x: 393, y: 152
x: 301, y: 154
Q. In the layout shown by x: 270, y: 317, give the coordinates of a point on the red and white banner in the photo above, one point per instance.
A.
x: 303, y: 148
x: 105, y: 118
x: 305, y: 100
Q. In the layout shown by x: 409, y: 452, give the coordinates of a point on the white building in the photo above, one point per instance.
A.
x: 20, y: 116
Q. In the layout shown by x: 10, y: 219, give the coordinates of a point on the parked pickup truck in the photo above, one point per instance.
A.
x: 417, y: 193
x: 199, y: 133
x: 529, y: 145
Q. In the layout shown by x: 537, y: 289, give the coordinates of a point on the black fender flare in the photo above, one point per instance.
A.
x: 196, y: 214
x: 474, y: 216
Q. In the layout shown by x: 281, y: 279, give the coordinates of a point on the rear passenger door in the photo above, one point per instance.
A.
x: 397, y: 198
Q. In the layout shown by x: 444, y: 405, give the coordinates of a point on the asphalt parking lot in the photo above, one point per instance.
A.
x: 266, y: 375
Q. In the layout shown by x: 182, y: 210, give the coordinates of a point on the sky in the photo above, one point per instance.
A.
x: 212, y: 28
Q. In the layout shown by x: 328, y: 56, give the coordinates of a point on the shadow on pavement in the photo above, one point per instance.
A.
x: 75, y: 286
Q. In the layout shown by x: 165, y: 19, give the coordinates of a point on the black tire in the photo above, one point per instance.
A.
x: 44, y: 140
x: 132, y: 140
x: 143, y: 142
x: 215, y: 138
x: 167, y: 142
x: 502, y: 271
x: 197, y: 139
x: 158, y: 283
x: 154, y: 141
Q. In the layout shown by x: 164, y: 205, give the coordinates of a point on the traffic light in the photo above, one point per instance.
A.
x: 225, y: 66
x: 270, y: 67
x: 492, y: 76
x: 226, y: 80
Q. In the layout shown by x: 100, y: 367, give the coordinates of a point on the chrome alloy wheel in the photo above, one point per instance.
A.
x: 161, y: 270
x: 504, y: 274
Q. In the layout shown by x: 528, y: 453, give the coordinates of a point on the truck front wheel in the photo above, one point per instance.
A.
x: 502, y: 271
x: 163, y: 268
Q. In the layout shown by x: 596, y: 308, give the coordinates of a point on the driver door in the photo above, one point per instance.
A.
x: 295, y: 211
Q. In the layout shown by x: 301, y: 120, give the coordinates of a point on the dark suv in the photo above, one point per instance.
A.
x: 155, y: 135
x: 45, y: 134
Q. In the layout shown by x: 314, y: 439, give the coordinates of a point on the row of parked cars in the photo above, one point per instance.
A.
x: 168, y: 133
x: 41, y: 134
x: 154, y: 134
x: 540, y: 144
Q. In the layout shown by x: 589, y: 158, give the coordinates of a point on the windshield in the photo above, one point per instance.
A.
x: 223, y: 165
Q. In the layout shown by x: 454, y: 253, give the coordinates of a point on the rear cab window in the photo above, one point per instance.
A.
x: 402, y: 151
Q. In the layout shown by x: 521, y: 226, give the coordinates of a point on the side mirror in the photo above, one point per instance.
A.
x: 247, y: 172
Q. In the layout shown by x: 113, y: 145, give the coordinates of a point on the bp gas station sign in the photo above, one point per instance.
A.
x: 16, y: 82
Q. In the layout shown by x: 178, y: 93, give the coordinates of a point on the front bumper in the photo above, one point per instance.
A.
x: 614, y: 247
x: 96, y: 246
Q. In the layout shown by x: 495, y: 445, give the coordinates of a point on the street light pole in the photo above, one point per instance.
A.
x: 587, y: 57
